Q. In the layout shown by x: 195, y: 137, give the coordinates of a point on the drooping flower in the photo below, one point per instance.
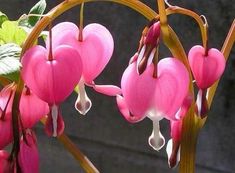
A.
x: 5, y: 165
x: 28, y: 156
x: 207, y: 67
x: 32, y: 109
x: 6, y: 100
x: 95, y: 49
x: 155, y: 97
x: 52, y: 79
x: 173, y: 145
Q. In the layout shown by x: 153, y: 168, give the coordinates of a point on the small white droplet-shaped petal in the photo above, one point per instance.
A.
x: 172, y: 158
x: 83, y: 103
x: 156, y: 140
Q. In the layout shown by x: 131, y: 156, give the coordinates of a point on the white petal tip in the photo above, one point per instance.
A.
x: 173, y: 158
x: 156, y: 142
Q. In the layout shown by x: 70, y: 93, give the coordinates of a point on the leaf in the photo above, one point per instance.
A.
x: 37, y: 9
x: 12, y: 33
x: 3, y: 18
x: 9, y: 60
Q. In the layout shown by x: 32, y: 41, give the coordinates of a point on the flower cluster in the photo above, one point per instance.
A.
x: 158, y: 90
x: 151, y: 88
x: 51, y: 74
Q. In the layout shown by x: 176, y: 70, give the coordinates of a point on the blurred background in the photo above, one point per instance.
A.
x: 111, y: 143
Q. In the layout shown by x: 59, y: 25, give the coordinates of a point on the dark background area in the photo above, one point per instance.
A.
x: 111, y: 143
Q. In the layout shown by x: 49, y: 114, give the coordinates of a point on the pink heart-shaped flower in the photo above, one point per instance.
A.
x: 206, y: 68
x: 96, y: 48
x: 52, y: 81
x: 156, y: 97
x: 6, y: 100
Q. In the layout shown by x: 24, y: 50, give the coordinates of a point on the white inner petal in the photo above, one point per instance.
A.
x: 54, y: 114
x: 83, y: 103
x: 169, y: 149
x: 151, y: 56
x: 156, y: 140
x: 140, y: 57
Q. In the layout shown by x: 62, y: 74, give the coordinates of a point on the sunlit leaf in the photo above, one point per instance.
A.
x: 12, y: 33
x: 3, y: 18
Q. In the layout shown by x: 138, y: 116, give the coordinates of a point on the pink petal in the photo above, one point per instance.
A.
x: 185, y: 107
x: 6, y: 101
x: 32, y: 109
x: 172, y: 87
x: 176, y: 130
x: 206, y: 69
x: 99, y: 42
x: 5, y: 133
x: 122, y: 106
x: 133, y: 58
x: 96, y: 48
x: 110, y: 90
x: 28, y: 156
x: 5, y: 165
x: 62, y: 30
x: 153, y: 34
x: 51, y: 81
x: 138, y: 90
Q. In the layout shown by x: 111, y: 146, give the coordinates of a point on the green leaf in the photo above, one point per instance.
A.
x: 3, y: 18
x: 37, y: 9
x: 12, y: 33
x: 9, y: 60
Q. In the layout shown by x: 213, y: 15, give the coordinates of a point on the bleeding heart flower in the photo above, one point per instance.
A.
x: 52, y: 80
x: 148, y: 46
x: 144, y: 94
x: 32, y: 109
x: 28, y: 157
x: 5, y: 165
x: 206, y: 68
x: 95, y: 49
x: 173, y: 145
x: 6, y: 100
x: 156, y: 97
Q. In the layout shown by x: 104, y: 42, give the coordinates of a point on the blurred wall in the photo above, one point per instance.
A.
x: 114, y: 145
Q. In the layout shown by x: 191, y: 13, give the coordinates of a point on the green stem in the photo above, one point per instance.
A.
x: 80, y: 37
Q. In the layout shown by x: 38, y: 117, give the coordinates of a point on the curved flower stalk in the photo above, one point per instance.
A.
x: 95, y: 49
x: 207, y: 67
x: 52, y: 76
